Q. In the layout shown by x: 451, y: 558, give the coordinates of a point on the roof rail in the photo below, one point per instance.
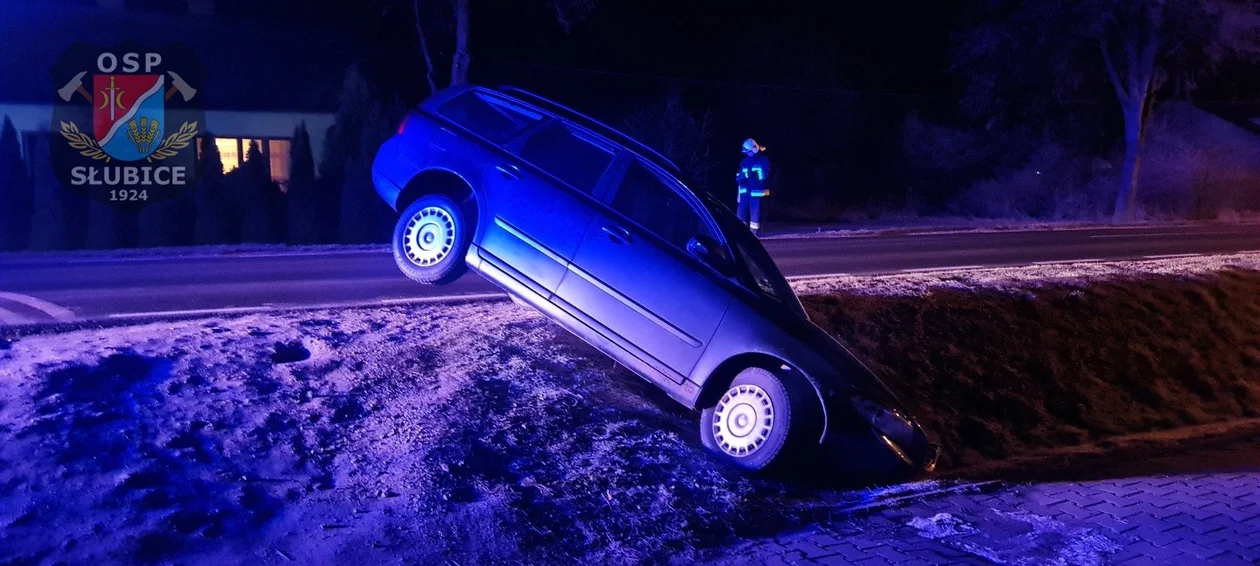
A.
x: 611, y: 132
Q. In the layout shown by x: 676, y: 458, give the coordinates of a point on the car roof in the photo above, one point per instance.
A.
x: 592, y: 124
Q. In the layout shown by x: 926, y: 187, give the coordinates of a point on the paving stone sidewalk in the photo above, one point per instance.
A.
x: 1176, y: 520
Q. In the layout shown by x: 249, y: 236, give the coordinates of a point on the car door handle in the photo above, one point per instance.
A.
x: 509, y: 171
x: 616, y: 233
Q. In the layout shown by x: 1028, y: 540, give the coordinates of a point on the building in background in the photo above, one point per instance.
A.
x: 262, y: 79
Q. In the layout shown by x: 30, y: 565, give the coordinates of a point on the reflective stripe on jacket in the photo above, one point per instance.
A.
x: 752, y: 175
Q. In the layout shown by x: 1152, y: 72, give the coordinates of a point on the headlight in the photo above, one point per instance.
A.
x: 888, y: 422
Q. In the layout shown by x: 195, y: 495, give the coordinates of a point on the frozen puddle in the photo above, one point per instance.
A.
x: 1017, y: 538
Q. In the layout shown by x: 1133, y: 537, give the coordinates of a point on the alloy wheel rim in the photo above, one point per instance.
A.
x: 429, y: 236
x: 743, y: 420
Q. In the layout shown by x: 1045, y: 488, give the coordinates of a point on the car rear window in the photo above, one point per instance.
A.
x: 492, y: 118
x: 650, y: 202
x: 561, y: 152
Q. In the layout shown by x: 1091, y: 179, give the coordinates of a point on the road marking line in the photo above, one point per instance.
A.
x: 1168, y: 256
x: 57, y: 312
x: 1071, y: 261
x: 819, y: 276
x: 950, y: 268
x: 225, y: 310
x: 69, y: 258
x: 9, y: 317
x: 443, y: 298
x: 1190, y: 233
x: 895, y: 271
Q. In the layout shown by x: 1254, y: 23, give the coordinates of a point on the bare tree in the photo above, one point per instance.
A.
x: 1143, y: 48
x: 433, y: 18
x: 422, y: 38
x: 461, y: 59
x: 1144, y: 44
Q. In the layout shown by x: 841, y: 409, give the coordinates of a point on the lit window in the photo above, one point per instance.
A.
x: 229, y: 153
x: 235, y: 151
x: 280, y: 166
x: 246, y: 144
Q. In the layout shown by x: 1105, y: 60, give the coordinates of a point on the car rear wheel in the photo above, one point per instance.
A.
x: 430, y: 240
x: 757, y: 421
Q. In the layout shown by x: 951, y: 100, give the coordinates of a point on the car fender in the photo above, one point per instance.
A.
x: 469, y: 178
x: 745, y: 337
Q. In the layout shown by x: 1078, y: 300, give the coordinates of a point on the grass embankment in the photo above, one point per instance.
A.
x: 1004, y: 374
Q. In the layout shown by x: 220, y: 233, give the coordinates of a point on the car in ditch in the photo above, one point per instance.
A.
x: 605, y: 236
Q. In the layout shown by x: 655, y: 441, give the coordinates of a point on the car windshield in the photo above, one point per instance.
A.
x: 759, y: 270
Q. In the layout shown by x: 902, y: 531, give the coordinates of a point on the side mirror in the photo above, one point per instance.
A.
x: 711, y: 252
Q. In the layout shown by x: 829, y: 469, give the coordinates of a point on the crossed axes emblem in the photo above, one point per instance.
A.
x: 76, y: 85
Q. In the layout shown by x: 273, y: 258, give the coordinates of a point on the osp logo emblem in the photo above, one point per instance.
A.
x: 130, y: 117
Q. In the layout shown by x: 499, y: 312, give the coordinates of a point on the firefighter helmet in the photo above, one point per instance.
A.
x: 751, y: 145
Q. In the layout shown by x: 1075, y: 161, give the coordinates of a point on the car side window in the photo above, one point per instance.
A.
x: 492, y: 118
x: 650, y: 202
x: 759, y: 276
x: 561, y: 152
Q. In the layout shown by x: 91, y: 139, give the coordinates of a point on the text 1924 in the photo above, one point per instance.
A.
x: 128, y: 195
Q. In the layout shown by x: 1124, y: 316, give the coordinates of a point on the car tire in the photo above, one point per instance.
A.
x: 758, y: 421
x: 431, y: 239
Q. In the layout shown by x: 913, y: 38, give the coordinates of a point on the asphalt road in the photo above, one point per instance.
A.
x: 71, y: 287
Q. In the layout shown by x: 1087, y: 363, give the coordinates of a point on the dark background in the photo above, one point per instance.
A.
x: 872, y: 113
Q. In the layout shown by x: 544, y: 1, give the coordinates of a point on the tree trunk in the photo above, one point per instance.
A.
x: 462, y: 59
x: 424, y: 48
x: 1126, y: 198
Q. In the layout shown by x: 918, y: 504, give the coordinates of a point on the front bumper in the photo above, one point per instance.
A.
x: 872, y: 438
x: 920, y: 455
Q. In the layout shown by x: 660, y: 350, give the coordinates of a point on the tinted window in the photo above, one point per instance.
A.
x: 764, y: 275
x: 558, y: 151
x: 756, y: 270
x: 646, y: 199
x: 487, y: 116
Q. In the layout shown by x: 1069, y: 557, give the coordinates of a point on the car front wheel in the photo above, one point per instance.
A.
x: 430, y: 240
x: 756, y: 422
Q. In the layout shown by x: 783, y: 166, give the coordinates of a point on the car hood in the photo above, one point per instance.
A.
x: 842, y: 365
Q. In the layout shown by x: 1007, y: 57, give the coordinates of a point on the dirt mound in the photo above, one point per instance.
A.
x: 1000, y: 373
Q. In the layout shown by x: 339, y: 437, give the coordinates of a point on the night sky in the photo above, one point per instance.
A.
x: 881, y: 47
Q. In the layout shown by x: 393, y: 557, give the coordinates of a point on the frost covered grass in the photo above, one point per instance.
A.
x: 1005, y: 363
x: 1017, y: 278
x: 474, y: 433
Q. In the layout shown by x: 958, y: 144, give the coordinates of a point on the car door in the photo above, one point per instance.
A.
x: 633, y: 277
x: 542, y: 192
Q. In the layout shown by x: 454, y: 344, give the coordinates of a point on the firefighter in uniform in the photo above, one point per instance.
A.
x: 751, y: 178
